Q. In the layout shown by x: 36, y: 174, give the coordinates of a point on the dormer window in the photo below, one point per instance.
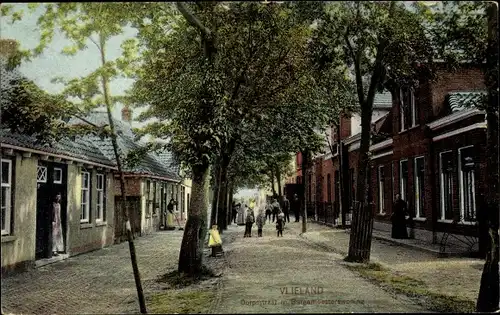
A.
x: 408, y: 110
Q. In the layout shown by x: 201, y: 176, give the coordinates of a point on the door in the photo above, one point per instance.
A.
x: 51, y: 180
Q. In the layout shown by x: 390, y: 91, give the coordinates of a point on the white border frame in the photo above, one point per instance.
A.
x: 8, y: 210
x: 418, y: 211
x: 441, y: 187
x: 461, y: 187
x: 59, y: 181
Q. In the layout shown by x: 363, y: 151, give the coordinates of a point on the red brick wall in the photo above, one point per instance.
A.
x: 467, y: 78
x: 345, y: 127
x: 328, y: 169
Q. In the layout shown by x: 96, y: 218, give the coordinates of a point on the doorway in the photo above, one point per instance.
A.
x: 51, y: 179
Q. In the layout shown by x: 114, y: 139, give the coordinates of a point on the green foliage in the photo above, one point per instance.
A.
x: 29, y: 110
x: 259, y: 87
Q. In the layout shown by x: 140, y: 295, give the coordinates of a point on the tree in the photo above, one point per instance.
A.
x: 380, y: 51
x: 259, y: 73
x: 84, y: 23
x: 450, y: 26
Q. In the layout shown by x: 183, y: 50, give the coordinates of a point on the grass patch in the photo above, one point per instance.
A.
x: 177, y: 280
x: 181, y: 302
x: 411, y: 287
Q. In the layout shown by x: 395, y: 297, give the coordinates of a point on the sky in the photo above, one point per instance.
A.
x: 53, y: 64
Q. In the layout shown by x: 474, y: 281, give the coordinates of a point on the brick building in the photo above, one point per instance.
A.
x: 426, y: 145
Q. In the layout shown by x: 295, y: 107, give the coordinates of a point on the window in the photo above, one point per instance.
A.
x: 467, y: 183
x: 403, y: 179
x: 6, y: 196
x: 101, y: 205
x: 155, y: 203
x: 85, y: 204
x: 57, y: 175
x: 408, y: 110
x: 446, y: 170
x: 381, y: 190
x: 419, y: 187
x: 329, y: 188
x: 41, y: 174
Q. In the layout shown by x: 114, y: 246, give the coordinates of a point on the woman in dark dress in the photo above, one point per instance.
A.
x: 398, y: 218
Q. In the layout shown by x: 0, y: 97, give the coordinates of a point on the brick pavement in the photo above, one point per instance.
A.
x: 452, y: 276
x: 260, y: 268
x: 98, y: 282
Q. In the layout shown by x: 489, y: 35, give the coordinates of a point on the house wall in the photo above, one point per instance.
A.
x: 18, y: 249
x: 132, y: 186
x: 84, y: 237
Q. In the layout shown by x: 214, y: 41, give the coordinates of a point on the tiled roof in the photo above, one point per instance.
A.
x: 81, y: 148
x: 151, y: 164
x: 167, y: 159
x: 462, y: 100
x: 383, y: 100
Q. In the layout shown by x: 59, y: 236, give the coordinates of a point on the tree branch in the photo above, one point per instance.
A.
x: 193, y: 20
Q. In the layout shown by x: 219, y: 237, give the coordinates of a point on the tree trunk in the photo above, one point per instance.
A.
x: 343, y: 175
x: 221, y: 205
x: 123, y: 204
x: 230, y: 204
x: 488, y: 298
x: 362, y: 219
x: 191, y: 253
x: 216, y: 194
x: 305, y: 164
x: 272, y: 182
x: 278, y: 178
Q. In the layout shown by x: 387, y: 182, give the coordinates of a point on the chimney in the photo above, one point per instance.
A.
x: 127, y: 115
x: 8, y: 47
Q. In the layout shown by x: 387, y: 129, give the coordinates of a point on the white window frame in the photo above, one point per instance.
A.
x: 100, y: 198
x: 417, y: 192
x: 402, y: 193
x: 8, y: 203
x: 42, y: 180
x: 462, y: 188
x: 413, y: 108
x: 86, y: 210
x: 441, y: 186
x: 60, y: 170
x: 401, y: 110
x: 381, y: 190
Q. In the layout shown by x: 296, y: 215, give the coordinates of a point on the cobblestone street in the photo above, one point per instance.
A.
x: 263, y: 270
x: 100, y: 282
x: 262, y: 275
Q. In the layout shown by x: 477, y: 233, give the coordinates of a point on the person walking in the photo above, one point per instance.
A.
x: 296, y: 207
x: 261, y: 219
x: 268, y: 212
x: 286, y: 209
x: 275, y: 206
x: 248, y: 223
x: 234, y: 212
x: 280, y: 223
x: 57, y: 239
x: 398, y: 219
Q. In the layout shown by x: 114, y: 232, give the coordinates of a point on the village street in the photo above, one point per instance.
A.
x: 266, y: 274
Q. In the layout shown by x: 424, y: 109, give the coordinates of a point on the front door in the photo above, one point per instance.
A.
x: 51, y: 180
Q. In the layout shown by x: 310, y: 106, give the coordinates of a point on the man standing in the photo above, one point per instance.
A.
x: 275, y: 208
x: 296, y: 207
x: 286, y: 209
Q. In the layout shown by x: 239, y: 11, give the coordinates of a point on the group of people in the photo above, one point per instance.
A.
x: 268, y: 212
